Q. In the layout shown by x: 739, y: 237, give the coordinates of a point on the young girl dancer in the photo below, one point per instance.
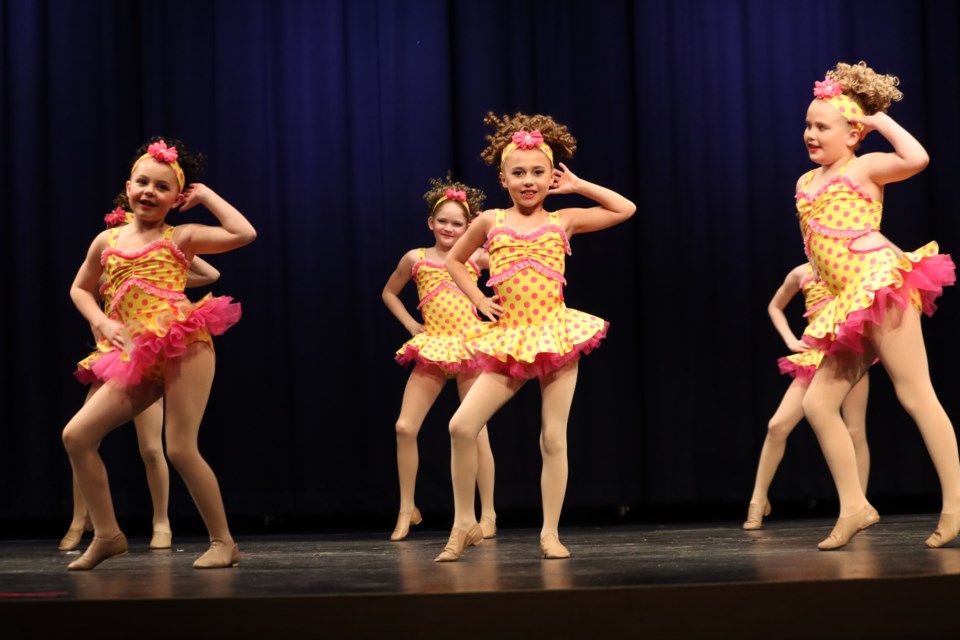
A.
x: 877, y: 293
x: 149, y: 424
x: 535, y: 334
x: 155, y: 342
x: 801, y: 365
x: 437, y: 349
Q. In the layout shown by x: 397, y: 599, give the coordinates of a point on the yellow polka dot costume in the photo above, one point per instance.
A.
x: 537, y: 333
x: 144, y: 291
x: 448, y: 316
x: 860, y: 281
x: 816, y: 295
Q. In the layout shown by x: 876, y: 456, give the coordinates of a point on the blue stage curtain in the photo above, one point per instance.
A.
x: 323, y: 121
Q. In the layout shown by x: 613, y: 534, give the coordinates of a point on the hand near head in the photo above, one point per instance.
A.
x: 194, y: 194
x: 564, y: 180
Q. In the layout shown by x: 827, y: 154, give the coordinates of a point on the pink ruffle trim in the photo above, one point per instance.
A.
x: 803, y: 373
x: 543, y: 363
x: 411, y: 354
x: 216, y: 314
x: 928, y: 276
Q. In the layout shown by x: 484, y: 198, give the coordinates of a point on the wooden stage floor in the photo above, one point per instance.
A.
x: 703, y: 580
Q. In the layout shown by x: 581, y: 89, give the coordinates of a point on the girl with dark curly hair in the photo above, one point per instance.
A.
x: 154, y: 341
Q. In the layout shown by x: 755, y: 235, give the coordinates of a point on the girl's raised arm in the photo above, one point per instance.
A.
x: 907, y: 159
x: 613, y: 209
x: 234, y: 231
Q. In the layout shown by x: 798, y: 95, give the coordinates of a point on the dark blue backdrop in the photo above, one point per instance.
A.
x: 323, y: 121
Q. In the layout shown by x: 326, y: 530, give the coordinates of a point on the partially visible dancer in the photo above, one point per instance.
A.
x: 801, y: 366
x: 436, y: 347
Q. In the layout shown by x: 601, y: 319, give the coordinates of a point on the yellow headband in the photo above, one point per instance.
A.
x: 161, y: 153
x: 831, y: 92
x: 526, y: 140
x: 455, y: 196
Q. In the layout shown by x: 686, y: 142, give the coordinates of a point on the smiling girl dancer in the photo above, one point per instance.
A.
x: 877, y: 292
x: 437, y: 349
x: 535, y: 335
x: 155, y: 342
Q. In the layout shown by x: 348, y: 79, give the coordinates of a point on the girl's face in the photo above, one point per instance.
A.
x: 448, y: 223
x: 153, y: 190
x: 828, y: 136
x: 526, y: 175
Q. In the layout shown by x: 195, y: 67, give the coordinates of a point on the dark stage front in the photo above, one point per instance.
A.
x: 708, y: 580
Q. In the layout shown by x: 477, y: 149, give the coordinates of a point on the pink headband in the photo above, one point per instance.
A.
x: 451, y: 194
x: 526, y: 140
x: 161, y: 153
x: 831, y: 92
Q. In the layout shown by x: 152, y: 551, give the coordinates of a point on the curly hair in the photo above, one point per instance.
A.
x: 873, y: 91
x: 193, y: 164
x: 438, y: 189
x: 554, y: 134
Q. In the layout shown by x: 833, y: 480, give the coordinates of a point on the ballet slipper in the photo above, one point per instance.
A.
x: 489, y: 527
x: 161, y: 540
x: 947, y: 530
x: 220, y: 555
x: 551, y: 548
x: 848, y: 527
x: 99, y: 550
x: 404, y: 520
x: 755, y: 515
x: 73, y: 536
x: 459, y: 540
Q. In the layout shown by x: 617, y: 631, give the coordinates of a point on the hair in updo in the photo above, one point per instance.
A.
x: 873, y: 91
x: 556, y: 135
x: 439, y: 188
x: 193, y: 165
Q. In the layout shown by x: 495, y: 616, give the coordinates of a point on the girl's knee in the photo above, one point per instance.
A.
x: 405, y: 429
x: 151, y: 455
x: 778, y: 429
x: 553, y: 445
x: 461, y: 430
x: 181, y: 456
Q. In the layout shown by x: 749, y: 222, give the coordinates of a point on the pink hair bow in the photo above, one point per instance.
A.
x: 527, y: 139
x: 826, y: 89
x: 115, y: 218
x: 456, y: 195
x: 161, y: 152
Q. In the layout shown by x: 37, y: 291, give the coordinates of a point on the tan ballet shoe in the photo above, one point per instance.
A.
x: 220, y: 555
x: 99, y: 550
x: 73, y: 536
x: 848, y: 527
x: 489, y: 527
x: 161, y: 540
x: 404, y: 520
x: 947, y: 530
x: 755, y: 515
x: 551, y: 548
x: 459, y: 540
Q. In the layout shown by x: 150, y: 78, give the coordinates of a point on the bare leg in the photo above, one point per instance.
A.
x: 899, y: 343
x: 423, y: 386
x: 557, y: 395
x: 149, y: 426
x: 854, y: 411
x: 188, y: 382
x: 486, y: 470
x: 781, y: 425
